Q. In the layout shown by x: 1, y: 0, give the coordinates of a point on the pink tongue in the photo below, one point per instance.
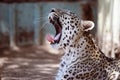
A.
x: 50, y: 38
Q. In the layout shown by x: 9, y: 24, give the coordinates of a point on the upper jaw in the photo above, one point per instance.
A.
x: 54, y: 19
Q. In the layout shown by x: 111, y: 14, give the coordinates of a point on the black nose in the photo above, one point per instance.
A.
x: 53, y: 10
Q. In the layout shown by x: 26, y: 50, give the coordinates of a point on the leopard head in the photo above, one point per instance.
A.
x: 68, y: 27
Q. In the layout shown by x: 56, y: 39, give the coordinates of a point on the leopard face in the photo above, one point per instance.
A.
x: 68, y: 27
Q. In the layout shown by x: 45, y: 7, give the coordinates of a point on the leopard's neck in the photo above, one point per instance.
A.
x: 85, y: 48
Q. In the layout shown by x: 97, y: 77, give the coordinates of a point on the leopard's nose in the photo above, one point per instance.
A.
x: 53, y: 10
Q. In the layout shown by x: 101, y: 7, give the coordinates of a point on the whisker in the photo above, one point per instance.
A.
x: 44, y: 25
x: 37, y: 20
x: 43, y: 17
x: 47, y: 27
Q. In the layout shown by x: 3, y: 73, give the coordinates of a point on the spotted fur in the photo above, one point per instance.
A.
x: 82, y: 59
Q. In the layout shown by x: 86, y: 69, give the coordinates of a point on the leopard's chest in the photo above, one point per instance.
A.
x: 76, y: 59
x: 74, y: 66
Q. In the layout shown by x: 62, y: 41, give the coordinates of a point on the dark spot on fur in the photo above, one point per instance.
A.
x: 65, y: 76
x: 70, y: 37
x: 73, y: 55
x: 75, y: 24
x: 65, y: 23
x: 78, y: 76
x: 76, y: 21
x: 68, y: 54
x: 67, y: 44
x: 71, y: 45
x: 62, y: 65
x: 66, y: 35
x: 64, y: 38
x: 74, y: 73
x: 69, y: 51
x: 68, y: 27
x: 72, y: 18
x: 75, y: 32
x: 70, y: 78
x: 86, y: 51
x: 71, y: 21
x: 68, y: 41
x: 70, y: 71
x: 64, y: 44
x: 81, y: 43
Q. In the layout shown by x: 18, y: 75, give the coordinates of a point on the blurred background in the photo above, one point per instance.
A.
x: 24, y: 52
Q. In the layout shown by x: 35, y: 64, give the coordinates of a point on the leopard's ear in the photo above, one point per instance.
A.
x: 87, y: 25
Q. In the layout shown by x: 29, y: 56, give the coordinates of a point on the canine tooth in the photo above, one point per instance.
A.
x: 57, y: 37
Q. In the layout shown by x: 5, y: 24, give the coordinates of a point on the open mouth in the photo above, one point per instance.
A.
x: 54, y: 19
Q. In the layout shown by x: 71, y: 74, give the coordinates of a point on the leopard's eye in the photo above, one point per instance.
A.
x: 69, y: 12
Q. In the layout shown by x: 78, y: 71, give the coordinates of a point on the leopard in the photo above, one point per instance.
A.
x: 82, y: 59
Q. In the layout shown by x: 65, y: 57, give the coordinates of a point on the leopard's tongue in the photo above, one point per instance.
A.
x: 52, y: 39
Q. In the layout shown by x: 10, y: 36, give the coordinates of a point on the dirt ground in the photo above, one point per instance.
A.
x: 28, y: 63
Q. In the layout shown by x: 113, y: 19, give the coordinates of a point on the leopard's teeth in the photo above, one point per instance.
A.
x: 57, y: 36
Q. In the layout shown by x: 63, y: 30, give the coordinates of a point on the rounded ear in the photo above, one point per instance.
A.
x: 87, y: 25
